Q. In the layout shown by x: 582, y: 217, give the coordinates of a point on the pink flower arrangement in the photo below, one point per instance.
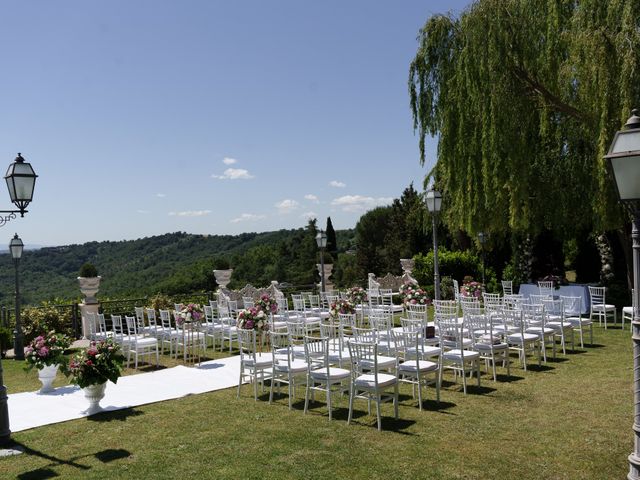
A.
x: 46, y: 350
x: 100, y: 362
x: 252, y: 319
x: 471, y: 288
x: 357, y: 295
x: 342, y: 306
x: 412, y: 294
x: 190, y: 313
x: 267, y: 304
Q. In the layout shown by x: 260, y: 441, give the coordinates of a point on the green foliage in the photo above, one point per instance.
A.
x: 6, y: 339
x: 221, y: 263
x: 160, y: 302
x: 41, y: 320
x: 525, y: 97
x: 332, y: 242
x: 346, y: 272
x: 456, y: 265
x: 88, y: 270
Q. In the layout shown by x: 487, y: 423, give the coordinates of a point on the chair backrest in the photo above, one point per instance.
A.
x: 364, y: 359
x: 572, y: 306
x: 382, y: 323
x: 417, y: 311
x: 151, y: 317
x: 281, y: 348
x: 314, y: 301
x: 598, y: 295
x: 208, y: 313
x: 248, y: 302
x: 139, y: 311
x: 116, y: 325
x: 102, y: 323
x: 456, y: 290
x: 545, y: 287
x: 368, y: 335
x: 451, y: 332
x: 533, y: 314
x: 247, y: 343
x: 316, y: 352
x: 469, y: 302
x: 445, y: 309
x: 507, y: 287
x: 165, y: 319
x: 539, y: 299
x: 132, y: 326
x: 492, y: 299
x: 298, y: 305
x: 283, y: 305
x: 476, y: 320
x: 554, y: 307
x: 178, y: 306
x: 513, y: 301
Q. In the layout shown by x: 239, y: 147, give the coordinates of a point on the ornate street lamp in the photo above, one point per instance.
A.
x: 321, y: 240
x: 623, y: 160
x: 433, y: 199
x: 482, y: 238
x: 21, y: 180
x: 16, y: 246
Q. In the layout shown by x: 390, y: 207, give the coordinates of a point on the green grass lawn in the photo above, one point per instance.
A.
x: 569, y: 419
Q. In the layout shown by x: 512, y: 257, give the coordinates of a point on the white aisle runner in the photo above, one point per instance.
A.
x: 30, y: 409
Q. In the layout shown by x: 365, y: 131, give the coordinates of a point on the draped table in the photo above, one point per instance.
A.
x: 573, y: 290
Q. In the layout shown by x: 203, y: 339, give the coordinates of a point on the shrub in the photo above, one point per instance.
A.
x: 88, y: 270
x: 456, y: 265
x: 6, y: 340
x: 40, y: 320
x: 160, y: 302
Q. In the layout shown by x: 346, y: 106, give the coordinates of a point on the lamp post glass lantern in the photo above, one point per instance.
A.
x: 321, y: 240
x: 433, y: 199
x: 623, y: 161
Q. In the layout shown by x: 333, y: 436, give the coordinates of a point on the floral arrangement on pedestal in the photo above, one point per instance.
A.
x: 412, y: 294
x: 252, y: 319
x: 471, y: 288
x: 44, y: 351
x: 95, y: 365
x: 267, y: 304
x: 190, y: 313
x: 342, y: 306
x: 557, y: 281
x: 357, y: 295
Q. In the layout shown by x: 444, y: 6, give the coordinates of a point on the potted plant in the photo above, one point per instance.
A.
x: 89, y: 283
x: 92, y: 367
x: 46, y: 353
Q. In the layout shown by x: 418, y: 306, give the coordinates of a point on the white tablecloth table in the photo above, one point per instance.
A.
x: 574, y: 290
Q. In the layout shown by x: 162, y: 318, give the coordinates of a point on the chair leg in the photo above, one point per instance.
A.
x: 378, y: 412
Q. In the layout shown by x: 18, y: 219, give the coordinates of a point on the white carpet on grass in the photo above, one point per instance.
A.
x: 31, y: 409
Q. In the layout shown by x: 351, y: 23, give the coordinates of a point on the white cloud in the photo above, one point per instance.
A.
x: 234, y: 174
x: 161, y: 195
x: 311, y: 198
x: 337, y: 184
x: 190, y: 213
x: 309, y: 215
x: 359, y: 203
x: 286, y: 206
x: 248, y: 217
x: 229, y: 161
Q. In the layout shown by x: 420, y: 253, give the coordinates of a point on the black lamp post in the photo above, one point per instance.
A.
x: 20, y: 180
x: 624, y: 162
x: 321, y: 240
x: 16, y: 246
x: 433, y: 199
x: 482, y: 238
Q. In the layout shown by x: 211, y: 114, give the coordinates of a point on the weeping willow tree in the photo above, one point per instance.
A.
x: 525, y: 97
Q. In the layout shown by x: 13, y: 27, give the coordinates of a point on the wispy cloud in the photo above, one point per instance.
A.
x: 337, y: 184
x: 190, y: 213
x: 311, y: 198
x: 161, y: 195
x: 234, y: 174
x: 309, y: 215
x: 248, y: 217
x: 286, y: 206
x: 229, y: 161
x: 358, y: 203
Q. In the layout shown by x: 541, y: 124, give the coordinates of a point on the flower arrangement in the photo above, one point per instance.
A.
x: 557, y: 281
x: 46, y: 350
x: 190, y: 313
x: 252, y: 319
x: 412, y: 294
x: 341, y: 306
x: 100, y: 362
x: 357, y: 295
x: 471, y: 288
x: 267, y: 304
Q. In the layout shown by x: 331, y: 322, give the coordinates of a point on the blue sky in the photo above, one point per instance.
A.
x: 207, y: 117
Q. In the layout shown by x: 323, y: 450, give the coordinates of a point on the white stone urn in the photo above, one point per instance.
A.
x: 407, y: 265
x: 223, y: 277
x: 328, y: 269
x: 89, y: 287
x: 47, y: 375
x: 94, y: 393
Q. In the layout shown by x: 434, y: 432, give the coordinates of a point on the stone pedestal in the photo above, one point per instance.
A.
x: 328, y: 269
x: 223, y: 277
x: 84, y: 309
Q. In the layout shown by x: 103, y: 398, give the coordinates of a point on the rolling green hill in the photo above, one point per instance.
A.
x: 170, y: 263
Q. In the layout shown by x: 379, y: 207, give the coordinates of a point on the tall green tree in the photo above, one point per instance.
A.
x: 332, y: 243
x: 525, y: 97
